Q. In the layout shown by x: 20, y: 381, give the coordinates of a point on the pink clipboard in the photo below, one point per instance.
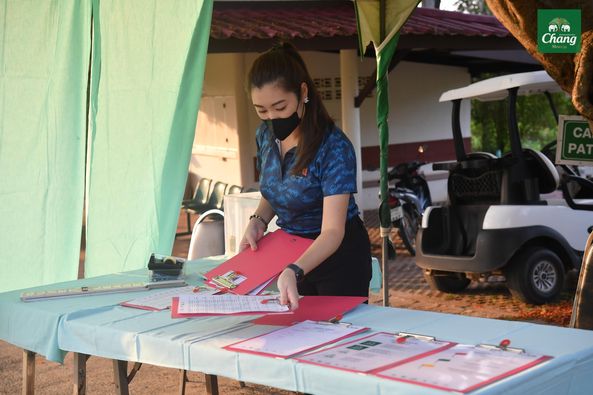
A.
x: 232, y: 347
x: 376, y: 369
x: 274, y: 252
x: 314, y: 308
x: 462, y: 390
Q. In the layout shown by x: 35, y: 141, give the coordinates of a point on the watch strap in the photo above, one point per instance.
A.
x: 298, y: 272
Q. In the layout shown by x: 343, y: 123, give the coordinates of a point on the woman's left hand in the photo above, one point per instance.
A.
x: 288, y: 289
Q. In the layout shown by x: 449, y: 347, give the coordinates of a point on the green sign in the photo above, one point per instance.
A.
x: 559, y: 31
x: 575, y: 141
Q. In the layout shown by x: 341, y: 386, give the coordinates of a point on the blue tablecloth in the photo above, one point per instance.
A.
x: 34, y: 325
x: 97, y: 325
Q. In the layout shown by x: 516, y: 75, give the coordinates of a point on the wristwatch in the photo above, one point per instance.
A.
x: 298, y: 272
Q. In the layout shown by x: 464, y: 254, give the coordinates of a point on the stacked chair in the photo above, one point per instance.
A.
x: 207, y: 196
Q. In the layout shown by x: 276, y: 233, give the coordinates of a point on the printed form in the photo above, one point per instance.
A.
x: 229, y: 304
x: 162, y: 300
x: 296, y: 339
x: 463, y: 367
x: 372, y: 352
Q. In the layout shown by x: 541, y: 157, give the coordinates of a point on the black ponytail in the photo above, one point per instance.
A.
x: 283, y: 65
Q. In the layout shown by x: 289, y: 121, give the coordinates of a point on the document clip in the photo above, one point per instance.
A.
x: 401, y: 337
x: 335, y: 321
x: 270, y: 301
x: 503, y: 346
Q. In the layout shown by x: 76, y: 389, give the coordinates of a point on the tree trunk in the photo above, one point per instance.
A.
x: 582, y: 311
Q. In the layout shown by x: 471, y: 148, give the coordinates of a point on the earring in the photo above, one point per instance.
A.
x: 306, y: 100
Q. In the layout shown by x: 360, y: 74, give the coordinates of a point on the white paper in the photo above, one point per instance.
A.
x: 297, y: 338
x: 257, y: 290
x: 372, y: 352
x: 229, y: 304
x: 461, y: 367
x: 162, y: 300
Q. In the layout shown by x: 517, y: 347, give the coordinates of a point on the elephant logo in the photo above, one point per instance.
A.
x: 559, y: 25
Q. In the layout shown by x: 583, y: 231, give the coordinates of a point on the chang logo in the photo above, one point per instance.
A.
x: 559, y: 25
x: 559, y: 31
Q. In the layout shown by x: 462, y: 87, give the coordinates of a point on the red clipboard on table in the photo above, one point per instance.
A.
x: 274, y: 252
x: 314, y: 308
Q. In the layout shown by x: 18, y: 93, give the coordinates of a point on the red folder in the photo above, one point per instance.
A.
x: 274, y: 251
x: 314, y: 308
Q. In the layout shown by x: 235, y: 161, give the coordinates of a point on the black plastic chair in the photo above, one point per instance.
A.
x: 233, y: 189
x: 197, y: 203
x: 216, y: 198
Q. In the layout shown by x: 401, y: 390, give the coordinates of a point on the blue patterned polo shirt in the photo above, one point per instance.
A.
x: 297, y: 200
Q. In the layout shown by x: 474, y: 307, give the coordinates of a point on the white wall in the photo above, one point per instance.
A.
x: 415, y: 111
x: 415, y: 116
x: 221, y: 150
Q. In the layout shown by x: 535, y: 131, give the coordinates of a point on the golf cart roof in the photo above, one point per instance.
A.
x: 497, y: 88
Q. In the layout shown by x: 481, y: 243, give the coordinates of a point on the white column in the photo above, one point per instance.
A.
x: 349, y: 63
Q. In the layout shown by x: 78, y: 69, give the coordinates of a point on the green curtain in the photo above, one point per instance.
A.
x: 44, y: 54
x: 148, y: 67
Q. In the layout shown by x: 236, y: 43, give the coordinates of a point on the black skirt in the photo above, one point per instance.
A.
x: 347, y: 272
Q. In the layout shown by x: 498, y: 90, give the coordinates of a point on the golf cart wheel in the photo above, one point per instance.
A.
x: 535, y: 275
x: 449, y: 282
x: 407, y: 229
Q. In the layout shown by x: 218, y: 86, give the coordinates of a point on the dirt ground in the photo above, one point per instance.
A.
x: 407, y: 290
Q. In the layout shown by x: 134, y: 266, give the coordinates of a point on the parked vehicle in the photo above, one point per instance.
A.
x: 407, y: 201
x: 496, y: 221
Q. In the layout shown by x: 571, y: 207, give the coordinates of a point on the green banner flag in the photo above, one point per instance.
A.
x: 379, y: 22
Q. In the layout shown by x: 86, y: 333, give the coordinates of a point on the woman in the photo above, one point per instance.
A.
x: 307, y: 177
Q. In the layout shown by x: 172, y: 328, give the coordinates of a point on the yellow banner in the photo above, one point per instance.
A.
x: 369, y: 18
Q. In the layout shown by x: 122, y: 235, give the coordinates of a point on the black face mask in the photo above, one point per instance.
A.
x: 283, y: 127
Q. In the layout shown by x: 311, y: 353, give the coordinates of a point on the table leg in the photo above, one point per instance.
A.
x: 120, y: 376
x: 182, y: 381
x: 211, y: 384
x: 28, y: 372
x: 79, y: 371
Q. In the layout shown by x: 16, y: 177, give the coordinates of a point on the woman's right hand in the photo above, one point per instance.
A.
x: 255, y: 230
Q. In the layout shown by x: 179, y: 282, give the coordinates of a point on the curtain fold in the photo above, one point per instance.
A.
x: 44, y: 56
x: 148, y: 68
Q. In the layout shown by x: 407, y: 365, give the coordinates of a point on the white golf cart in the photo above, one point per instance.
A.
x: 496, y: 221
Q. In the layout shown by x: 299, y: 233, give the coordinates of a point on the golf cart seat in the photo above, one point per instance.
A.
x: 477, y: 180
x: 524, y: 187
x: 545, y: 171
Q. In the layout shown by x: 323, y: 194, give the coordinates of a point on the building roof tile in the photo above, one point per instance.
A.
x: 306, y: 20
